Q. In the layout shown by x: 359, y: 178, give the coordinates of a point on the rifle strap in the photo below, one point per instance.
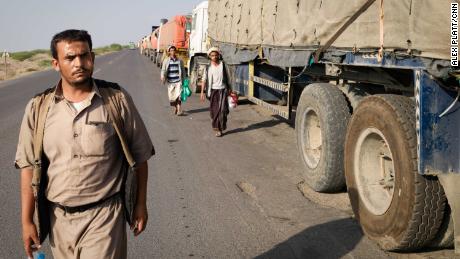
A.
x: 111, y: 101
x: 41, y: 105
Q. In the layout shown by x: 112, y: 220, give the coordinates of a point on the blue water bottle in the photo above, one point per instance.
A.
x: 39, y: 255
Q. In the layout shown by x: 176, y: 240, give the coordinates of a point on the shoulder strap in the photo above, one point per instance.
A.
x: 111, y: 100
x: 41, y: 104
x: 208, y: 82
x: 225, y: 76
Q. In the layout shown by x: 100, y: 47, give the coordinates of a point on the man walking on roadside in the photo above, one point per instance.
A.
x: 173, y: 74
x: 215, y: 81
x: 85, y: 159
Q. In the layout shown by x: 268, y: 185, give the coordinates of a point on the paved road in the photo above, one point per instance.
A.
x: 230, y: 197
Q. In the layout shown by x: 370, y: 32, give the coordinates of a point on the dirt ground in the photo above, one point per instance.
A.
x: 16, y: 68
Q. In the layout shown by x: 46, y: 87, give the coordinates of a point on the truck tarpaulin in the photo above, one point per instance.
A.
x: 305, y: 25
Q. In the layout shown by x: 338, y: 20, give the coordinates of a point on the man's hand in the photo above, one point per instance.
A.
x: 29, y: 231
x: 140, y: 218
x: 30, y: 237
x: 202, y: 97
x: 162, y: 80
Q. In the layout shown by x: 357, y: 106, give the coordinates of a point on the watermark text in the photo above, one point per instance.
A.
x: 454, y: 34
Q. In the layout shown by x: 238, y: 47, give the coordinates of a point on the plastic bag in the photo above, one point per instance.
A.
x: 183, y: 95
x: 232, y: 100
x: 186, y: 92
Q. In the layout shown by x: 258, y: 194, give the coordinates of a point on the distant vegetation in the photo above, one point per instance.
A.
x: 112, y: 47
x: 44, y: 63
x: 23, y: 55
x: 22, y: 62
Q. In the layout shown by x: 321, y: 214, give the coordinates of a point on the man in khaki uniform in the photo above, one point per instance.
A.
x: 85, y: 160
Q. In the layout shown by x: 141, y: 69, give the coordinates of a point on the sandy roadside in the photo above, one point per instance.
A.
x: 16, y: 68
x: 36, y: 63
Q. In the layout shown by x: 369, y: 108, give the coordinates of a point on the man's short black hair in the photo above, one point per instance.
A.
x: 70, y: 36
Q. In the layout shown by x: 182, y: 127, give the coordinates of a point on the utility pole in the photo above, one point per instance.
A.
x: 6, y: 55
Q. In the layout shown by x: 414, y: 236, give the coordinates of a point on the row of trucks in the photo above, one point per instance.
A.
x: 373, y: 92
x: 174, y: 32
x: 188, y: 33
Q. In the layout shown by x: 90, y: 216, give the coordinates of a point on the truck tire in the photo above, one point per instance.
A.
x: 158, y: 59
x: 445, y: 236
x: 354, y: 95
x: 194, y: 78
x: 196, y: 73
x: 321, y: 121
x: 397, y: 207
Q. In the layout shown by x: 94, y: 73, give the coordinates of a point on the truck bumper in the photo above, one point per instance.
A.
x: 438, y: 134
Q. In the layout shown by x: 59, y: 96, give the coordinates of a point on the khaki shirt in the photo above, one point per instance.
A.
x: 85, y: 154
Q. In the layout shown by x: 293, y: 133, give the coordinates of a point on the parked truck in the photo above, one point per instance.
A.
x: 174, y: 32
x: 370, y: 87
x: 198, y: 45
x: 154, y: 43
x: 143, y: 45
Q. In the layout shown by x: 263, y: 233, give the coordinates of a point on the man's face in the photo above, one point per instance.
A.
x: 214, y: 56
x: 172, y: 52
x: 75, y: 62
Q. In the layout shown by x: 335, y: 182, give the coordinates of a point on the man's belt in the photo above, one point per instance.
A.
x: 85, y: 207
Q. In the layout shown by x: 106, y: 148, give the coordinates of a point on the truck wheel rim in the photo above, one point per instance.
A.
x: 311, y: 138
x: 374, y: 171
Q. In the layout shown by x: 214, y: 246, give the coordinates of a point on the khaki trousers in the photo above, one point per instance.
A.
x: 451, y: 185
x: 99, y: 232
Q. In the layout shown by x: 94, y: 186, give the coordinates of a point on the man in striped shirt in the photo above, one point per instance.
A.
x: 172, y: 74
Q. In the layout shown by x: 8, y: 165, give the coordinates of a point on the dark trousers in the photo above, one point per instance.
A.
x: 219, y: 109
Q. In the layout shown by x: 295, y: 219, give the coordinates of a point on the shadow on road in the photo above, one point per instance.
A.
x: 263, y: 124
x: 329, y: 240
x: 196, y: 110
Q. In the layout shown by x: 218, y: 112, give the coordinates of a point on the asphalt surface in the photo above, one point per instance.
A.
x: 208, y: 197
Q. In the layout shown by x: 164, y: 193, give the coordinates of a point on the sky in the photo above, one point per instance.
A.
x: 30, y: 24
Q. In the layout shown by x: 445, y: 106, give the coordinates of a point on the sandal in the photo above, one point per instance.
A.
x: 219, y: 134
